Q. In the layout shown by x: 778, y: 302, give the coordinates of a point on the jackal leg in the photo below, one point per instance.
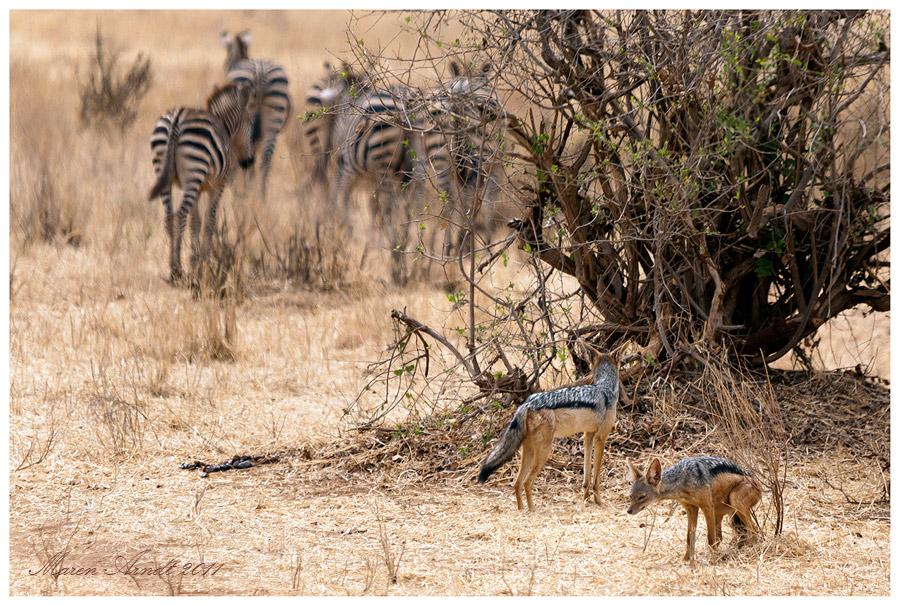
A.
x: 588, y: 459
x: 691, y: 530
x: 713, y: 533
x: 543, y: 443
x: 744, y: 496
x: 599, y: 444
x: 527, y: 458
x: 720, y: 512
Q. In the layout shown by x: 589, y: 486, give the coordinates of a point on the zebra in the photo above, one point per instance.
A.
x: 197, y: 149
x: 374, y: 139
x: 322, y: 99
x: 400, y: 137
x: 271, y: 100
x: 460, y: 141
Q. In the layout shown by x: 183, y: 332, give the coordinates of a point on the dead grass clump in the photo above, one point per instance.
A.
x: 317, y: 258
x: 786, y: 545
x: 43, y: 212
x: 205, y: 330
x: 184, y: 330
x: 747, y: 415
x: 45, y: 206
x: 117, y: 411
x: 390, y: 552
x: 110, y: 96
x: 44, y: 437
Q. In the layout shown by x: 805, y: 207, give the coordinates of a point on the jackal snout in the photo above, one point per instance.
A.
x: 644, y: 489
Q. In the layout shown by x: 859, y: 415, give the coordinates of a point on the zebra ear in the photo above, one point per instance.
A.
x: 455, y: 69
x: 245, y: 37
x: 225, y: 39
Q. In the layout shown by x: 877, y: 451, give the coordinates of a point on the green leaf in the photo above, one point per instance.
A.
x: 764, y: 267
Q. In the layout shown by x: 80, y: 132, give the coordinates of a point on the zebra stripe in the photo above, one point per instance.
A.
x: 460, y: 142
x: 371, y: 144
x: 197, y: 149
x: 322, y: 99
x: 271, y: 100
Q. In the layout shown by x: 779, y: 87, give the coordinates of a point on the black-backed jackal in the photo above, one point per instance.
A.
x: 557, y: 414
x: 714, y: 485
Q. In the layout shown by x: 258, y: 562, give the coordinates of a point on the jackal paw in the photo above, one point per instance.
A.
x: 592, y: 498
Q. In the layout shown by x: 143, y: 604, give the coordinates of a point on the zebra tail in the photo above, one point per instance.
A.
x: 507, y: 447
x: 165, y: 176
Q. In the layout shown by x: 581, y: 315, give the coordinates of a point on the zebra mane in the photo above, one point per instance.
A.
x: 220, y: 93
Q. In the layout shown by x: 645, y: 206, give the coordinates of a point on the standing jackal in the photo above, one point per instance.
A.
x: 715, y: 485
x: 557, y: 414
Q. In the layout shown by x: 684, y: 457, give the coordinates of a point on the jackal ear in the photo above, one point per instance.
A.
x: 455, y: 69
x: 616, y: 354
x: 634, y: 473
x: 654, y: 473
x: 592, y: 354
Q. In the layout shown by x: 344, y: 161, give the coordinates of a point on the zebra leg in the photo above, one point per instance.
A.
x: 180, y: 222
x: 170, y: 217
x: 171, y: 224
x: 210, y: 228
x: 195, y: 237
x: 188, y: 202
x: 320, y: 169
x: 266, y: 164
x: 380, y: 205
x: 448, y: 216
x: 340, y: 195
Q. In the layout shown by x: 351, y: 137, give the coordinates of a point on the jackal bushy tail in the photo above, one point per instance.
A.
x: 506, y: 447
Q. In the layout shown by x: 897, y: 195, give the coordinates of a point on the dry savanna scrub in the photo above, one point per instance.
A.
x: 116, y: 378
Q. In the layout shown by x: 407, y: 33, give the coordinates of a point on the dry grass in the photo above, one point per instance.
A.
x: 117, y: 378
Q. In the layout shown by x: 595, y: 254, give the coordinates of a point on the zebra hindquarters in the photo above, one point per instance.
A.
x: 275, y: 109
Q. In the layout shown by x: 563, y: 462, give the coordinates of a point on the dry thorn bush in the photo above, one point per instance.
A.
x: 108, y: 96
